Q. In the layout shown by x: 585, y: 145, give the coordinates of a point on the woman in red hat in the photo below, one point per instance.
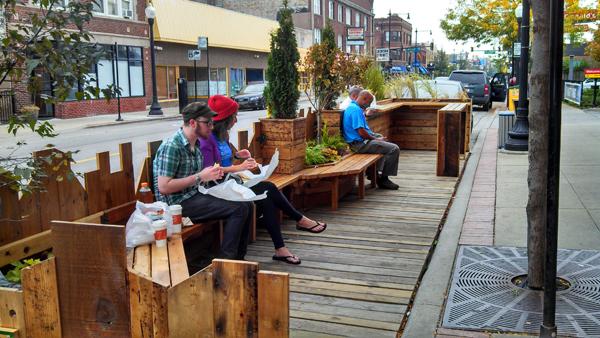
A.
x: 217, y: 149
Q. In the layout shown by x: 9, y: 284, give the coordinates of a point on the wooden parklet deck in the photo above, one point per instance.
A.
x: 356, y: 278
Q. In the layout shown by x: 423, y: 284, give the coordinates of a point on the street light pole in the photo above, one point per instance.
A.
x: 518, y: 137
x: 155, y: 108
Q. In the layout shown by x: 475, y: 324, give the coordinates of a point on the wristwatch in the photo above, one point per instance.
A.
x: 198, y: 180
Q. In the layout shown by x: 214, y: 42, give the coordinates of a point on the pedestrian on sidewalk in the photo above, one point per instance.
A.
x: 364, y: 141
x: 217, y: 149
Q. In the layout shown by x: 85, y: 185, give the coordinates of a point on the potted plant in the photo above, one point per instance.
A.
x: 282, y: 129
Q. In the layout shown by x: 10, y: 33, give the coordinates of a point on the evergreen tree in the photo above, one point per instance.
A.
x: 281, y: 92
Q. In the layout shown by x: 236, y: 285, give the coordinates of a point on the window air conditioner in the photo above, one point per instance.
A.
x: 127, y: 13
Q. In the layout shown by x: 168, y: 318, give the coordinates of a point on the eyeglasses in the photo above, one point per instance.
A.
x: 209, y: 123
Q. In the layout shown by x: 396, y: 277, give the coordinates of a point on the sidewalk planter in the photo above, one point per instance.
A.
x: 287, y: 135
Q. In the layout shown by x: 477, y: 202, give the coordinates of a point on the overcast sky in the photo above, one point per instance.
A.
x: 424, y: 15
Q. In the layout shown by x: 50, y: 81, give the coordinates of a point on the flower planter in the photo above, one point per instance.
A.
x: 289, y: 136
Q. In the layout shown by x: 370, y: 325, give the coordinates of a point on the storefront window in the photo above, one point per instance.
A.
x: 166, y: 82
x: 128, y: 74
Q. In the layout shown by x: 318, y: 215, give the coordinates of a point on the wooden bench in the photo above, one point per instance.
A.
x: 166, y: 266
x: 450, y: 139
x: 353, y: 165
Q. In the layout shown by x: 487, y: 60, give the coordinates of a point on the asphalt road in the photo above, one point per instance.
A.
x: 90, y: 141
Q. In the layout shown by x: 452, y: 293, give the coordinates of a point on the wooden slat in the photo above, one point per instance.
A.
x: 142, y: 260
x: 177, y: 262
x: 12, y: 314
x: 235, y: 298
x: 242, y: 139
x: 448, y: 143
x: 91, y: 273
x: 191, y: 307
x: 7, y: 332
x: 160, y: 311
x: 40, y: 300
x: 160, y: 266
x: 25, y: 247
x: 140, y: 305
x: 119, y: 214
x: 273, y: 304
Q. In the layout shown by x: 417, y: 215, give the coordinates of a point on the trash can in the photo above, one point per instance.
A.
x: 183, y: 94
x: 506, y: 120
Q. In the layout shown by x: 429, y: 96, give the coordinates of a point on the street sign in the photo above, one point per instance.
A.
x: 517, y: 49
x: 194, y: 54
x: 490, y: 52
x: 355, y: 36
x: 202, y: 42
x: 382, y: 54
x: 592, y: 73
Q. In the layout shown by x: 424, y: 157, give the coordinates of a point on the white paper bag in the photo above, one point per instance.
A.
x: 251, y: 179
x: 230, y: 190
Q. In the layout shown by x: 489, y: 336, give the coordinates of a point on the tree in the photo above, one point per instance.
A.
x: 539, y: 109
x: 51, y: 37
x: 491, y: 21
x: 442, y: 65
x: 281, y: 92
x: 593, y: 48
x: 324, y: 64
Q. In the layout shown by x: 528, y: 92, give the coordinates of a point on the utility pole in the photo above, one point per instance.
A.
x: 389, y: 38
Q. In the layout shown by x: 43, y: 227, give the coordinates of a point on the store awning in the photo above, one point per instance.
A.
x: 183, y: 21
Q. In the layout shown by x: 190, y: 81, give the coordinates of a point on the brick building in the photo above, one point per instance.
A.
x: 398, y: 41
x: 311, y: 15
x: 119, y: 24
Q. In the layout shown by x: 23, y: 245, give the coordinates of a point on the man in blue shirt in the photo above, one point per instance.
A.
x: 364, y: 141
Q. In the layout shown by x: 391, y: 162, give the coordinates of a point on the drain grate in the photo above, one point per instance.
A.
x: 482, y: 295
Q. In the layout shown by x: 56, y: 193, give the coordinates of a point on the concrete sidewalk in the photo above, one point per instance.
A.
x: 469, y: 221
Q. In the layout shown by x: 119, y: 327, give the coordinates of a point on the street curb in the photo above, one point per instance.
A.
x: 150, y: 119
x: 428, y: 306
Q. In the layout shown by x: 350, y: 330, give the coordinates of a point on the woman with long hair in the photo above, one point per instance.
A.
x: 217, y: 149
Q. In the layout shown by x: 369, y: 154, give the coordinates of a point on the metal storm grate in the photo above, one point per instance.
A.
x: 482, y: 295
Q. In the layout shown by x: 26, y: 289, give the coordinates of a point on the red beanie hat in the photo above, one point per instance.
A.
x: 223, y: 106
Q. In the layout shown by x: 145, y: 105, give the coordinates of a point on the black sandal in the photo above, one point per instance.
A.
x: 324, y: 225
x: 287, y: 259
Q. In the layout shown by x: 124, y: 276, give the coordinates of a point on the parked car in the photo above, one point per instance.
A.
x: 476, y: 84
x: 251, y: 96
x: 499, y: 85
x: 441, y: 78
x: 440, y: 88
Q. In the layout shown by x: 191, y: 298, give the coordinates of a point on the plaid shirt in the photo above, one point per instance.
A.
x: 175, y: 159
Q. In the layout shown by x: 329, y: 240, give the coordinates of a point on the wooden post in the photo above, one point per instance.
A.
x: 243, y: 140
x: 273, y: 304
x: 91, y: 271
x: 40, y: 300
x: 235, y: 298
x: 448, y: 143
x: 335, y: 192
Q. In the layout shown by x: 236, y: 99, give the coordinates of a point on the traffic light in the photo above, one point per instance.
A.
x: 431, y: 46
x: 471, y: 49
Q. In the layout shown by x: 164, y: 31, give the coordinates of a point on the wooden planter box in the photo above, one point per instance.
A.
x: 287, y: 135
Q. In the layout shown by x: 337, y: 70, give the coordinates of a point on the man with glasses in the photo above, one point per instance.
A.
x: 178, y: 172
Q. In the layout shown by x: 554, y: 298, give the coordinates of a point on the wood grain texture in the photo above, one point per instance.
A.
x: 177, y: 262
x: 235, y: 298
x: 191, y: 306
x: 12, y: 314
x: 91, y: 272
x: 273, y: 304
x: 140, y: 305
x: 25, y: 247
x: 448, y: 142
x: 358, y: 277
x: 40, y: 300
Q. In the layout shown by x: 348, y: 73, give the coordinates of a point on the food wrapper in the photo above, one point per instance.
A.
x: 230, y: 190
x: 250, y: 179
